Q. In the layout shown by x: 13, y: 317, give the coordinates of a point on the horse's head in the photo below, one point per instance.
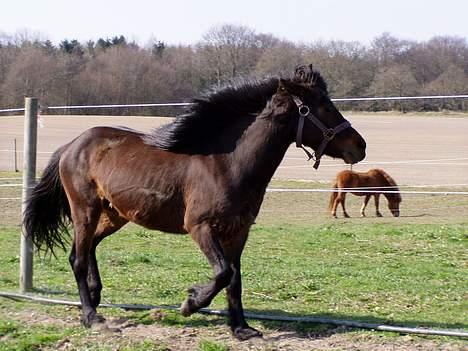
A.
x: 315, y: 121
x: 394, y: 201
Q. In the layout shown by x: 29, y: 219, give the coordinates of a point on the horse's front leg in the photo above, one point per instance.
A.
x: 240, y: 329
x: 377, y: 212
x: 201, y: 295
x: 364, y: 205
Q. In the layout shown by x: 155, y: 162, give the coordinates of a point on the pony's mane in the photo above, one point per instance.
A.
x: 392, y: 183
x: 216, y: 110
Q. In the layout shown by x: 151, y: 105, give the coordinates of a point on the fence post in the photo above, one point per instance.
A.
x: 29, y: 178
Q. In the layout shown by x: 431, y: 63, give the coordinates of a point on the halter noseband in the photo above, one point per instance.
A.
x: 328, y: 133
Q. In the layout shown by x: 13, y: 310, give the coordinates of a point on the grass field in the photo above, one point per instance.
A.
x: 298, y: 261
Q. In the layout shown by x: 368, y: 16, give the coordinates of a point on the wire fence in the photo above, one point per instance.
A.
x: 305, y: 190
x: 184, y: 104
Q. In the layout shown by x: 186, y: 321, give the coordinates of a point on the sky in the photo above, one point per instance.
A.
x: 185, y: 22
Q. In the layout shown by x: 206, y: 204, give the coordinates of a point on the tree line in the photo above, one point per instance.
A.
x: 115, y: 70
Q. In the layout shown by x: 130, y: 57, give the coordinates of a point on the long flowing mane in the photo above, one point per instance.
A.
x: 392, y: 183
x: 218, y: 109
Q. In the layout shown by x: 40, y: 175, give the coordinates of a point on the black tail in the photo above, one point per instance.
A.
x: 47, y: 209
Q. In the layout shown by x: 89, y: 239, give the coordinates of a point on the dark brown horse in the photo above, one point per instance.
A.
x: 374, y: 182
x: 204, y: 174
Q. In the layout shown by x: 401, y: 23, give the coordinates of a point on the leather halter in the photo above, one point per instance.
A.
x: 328, y: 133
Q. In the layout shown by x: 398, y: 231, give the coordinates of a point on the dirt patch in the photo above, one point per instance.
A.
x: 414, y: 150
x: 123, y: 333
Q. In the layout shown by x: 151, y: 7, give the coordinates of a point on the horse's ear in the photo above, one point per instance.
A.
x: 304, y: 74
x: 282, y: 101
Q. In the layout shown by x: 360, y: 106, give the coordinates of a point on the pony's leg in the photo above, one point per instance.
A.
x: 342, y: 197
x: 334, y: 206
x: 109, y: 223
x: 201, y: 295
x: 376, y: 198
x: 240, y: 329
x: 364, y: 205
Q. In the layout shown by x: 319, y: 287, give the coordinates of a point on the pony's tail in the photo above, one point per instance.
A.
x: 47, y: 212
x: 333, y: 196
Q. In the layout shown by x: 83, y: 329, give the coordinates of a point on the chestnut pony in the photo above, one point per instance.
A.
x: 377, y: 182
x: 204, y: 174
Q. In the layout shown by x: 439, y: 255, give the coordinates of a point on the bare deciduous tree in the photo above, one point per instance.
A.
x: 114, y: 70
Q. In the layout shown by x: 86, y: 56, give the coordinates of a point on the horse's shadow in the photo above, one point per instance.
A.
x: 297, y: 329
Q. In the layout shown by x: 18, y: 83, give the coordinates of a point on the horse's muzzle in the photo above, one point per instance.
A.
x: 354, y: 155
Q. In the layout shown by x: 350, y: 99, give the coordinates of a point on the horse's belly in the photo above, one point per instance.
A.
x: 359, y: 194
x: 152, y: 209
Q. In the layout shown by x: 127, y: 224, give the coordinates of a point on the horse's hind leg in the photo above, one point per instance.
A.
x: 364, y: 205
x: 200, y: 296
x: 334, y: 206
x: 342, y: 198
x: 109, y: 223
x: 377, y: 212
x: 85, y: 220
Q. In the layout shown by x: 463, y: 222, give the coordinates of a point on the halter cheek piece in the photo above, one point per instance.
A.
x: 328, y: 133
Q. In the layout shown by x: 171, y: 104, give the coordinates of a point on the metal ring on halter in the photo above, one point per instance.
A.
x: 329, y: 134
x: 304, y: 110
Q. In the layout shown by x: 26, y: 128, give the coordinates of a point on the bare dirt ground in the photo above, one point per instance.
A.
x: 123, y: 333
x: 415, y: 150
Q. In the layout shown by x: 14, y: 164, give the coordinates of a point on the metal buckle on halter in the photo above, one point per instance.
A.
x: 329, y: 134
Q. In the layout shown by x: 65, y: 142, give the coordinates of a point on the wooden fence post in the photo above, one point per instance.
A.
x: 16, y: 155
x: 29, y: 179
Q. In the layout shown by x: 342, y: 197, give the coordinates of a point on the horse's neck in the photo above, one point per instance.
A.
x: 258, y: 153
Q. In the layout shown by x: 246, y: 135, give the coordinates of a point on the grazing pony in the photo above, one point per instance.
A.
x: 205, y: 174
x: 375, y: 181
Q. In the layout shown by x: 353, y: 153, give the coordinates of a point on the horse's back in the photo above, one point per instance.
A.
x: 115, y: 166
x: 351, y: 180
x: 346, y: 178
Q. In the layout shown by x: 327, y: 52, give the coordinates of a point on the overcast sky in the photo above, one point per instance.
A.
x: 177, y: 21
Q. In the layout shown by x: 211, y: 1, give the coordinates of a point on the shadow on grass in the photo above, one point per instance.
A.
x: 46, y: 291
x: 296, y: 329
x: 325, y: 329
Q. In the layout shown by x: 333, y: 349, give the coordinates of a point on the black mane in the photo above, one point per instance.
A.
x: 215, y: 111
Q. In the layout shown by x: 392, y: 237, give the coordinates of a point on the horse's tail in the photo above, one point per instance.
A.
x: 333, y: 196
x: 47, y: 212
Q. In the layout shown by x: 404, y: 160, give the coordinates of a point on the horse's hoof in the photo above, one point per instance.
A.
x: 188, y: 307
x: 245, y: 333
x: 379, y: 215
x: 92, y: 320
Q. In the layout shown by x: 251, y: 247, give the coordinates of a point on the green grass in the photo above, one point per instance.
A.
x: 409, y: 274
x: 207, y: 345
x: 404, y: 271
x: 16, y: 336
